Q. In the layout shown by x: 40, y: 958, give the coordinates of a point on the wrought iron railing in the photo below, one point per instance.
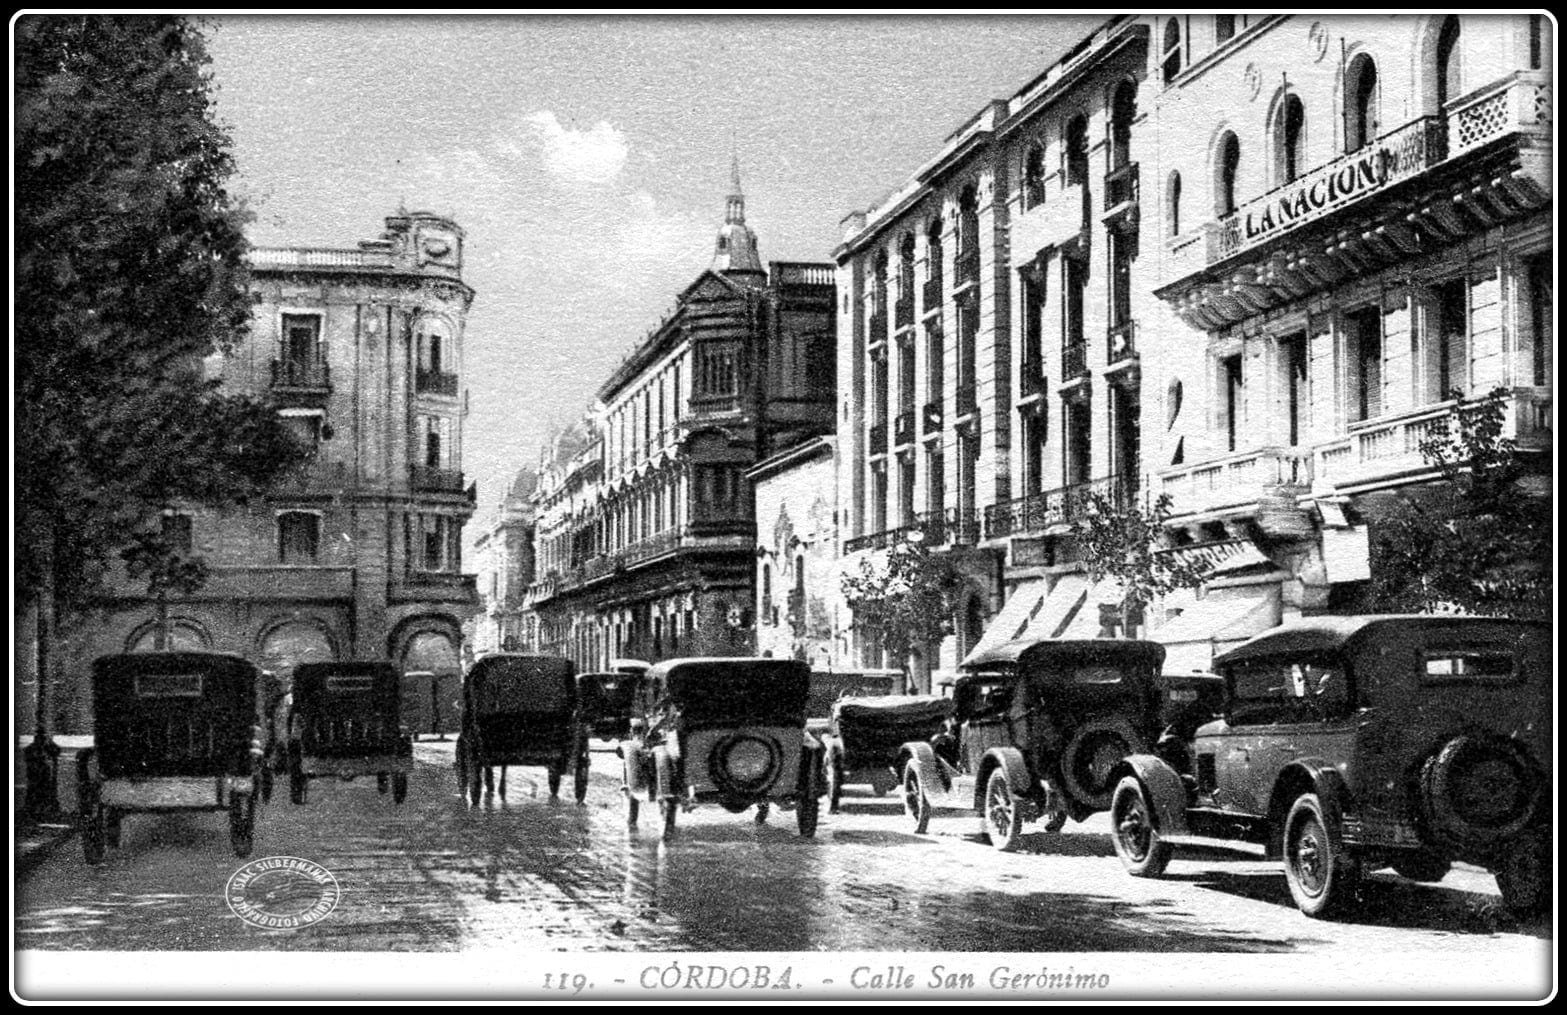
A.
x: 435, y: 382
x: 1122, y: 342
x: 1038, y: 512
x: 1074, y: 358
x: 296, y: 373
x: 932, y: 416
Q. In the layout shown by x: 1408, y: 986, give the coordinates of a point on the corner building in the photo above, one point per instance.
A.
x: 357, y: 554
x: 647, y: 535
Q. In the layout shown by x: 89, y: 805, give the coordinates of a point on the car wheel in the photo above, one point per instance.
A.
x: 1090, y: 758
x: 1477, y: 793
x: 579, y: 786
x: 1003, y: 814
x: 399, y: 787
x: 298, y: 781
x: 915, y: 803
x: 668, y: 808
x: 112, y: 832
x: 556, y: 772
x: 1421, y: 866
x: 1133, y: 833
x: 807, y: 815
x: 833, y: 777
x: 242, y: 822
x: 1321, y: 875
x: 460, y: 761
x: 1524, y: 876
x: 475, y: 777
x: 632, y: 806
x: 94, y: 833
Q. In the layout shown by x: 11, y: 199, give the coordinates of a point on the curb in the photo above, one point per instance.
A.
x: 36, y: 843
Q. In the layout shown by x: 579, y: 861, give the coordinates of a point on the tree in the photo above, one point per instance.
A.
x: 1474, y: 541
x: 1121, y: 541
x: 908, y: 601
x: 129, y: 271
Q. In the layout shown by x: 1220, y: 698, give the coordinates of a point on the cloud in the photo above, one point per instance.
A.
x: 594, y: 156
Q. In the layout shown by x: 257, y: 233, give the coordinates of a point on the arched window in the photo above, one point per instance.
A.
x: 906, y: 267
x: 1360, y: 103
x: 968, y: 223
x: 1226, y: 173
x: 1033, y: 177
x: 1449, y: 63
x: 1172, y: 203
x: 1289, y: 136
x: 1123, y: 109
x: 933, y: 251
x: 1172, y: 49
x: 1077, y: 150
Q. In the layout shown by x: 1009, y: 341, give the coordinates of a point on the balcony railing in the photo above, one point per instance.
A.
x: 931, y: 417
x: 903, y: 427
x: 1040, y: 512
x: 903, y: 309
x: 435, y: 382
x: 1234, y: 480
x: 1074, y: 358
x: 1031, y: 380
x: 878, y: 438
x: 1121, y: 186
x: 968, y: 266
x: 801, y: 273
x: 317, y: 257
x: 935, y: 528
x: 1122, y: 342
x: 932, y: 291
x: 429, y: 479
x: 714, y: 403
x: 876, y: 326
x: 301, y: 375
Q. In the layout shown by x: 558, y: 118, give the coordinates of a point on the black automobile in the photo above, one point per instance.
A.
x: 521, y: 710
x: 173, y: 731
x: 725, y: 730
x: 865, y: 737
x: 614, y: 691
x: 346, y: 721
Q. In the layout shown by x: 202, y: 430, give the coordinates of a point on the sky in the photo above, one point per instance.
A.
x: 588, y: 159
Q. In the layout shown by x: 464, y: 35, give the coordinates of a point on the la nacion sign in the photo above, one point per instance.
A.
x: 1395, y: 156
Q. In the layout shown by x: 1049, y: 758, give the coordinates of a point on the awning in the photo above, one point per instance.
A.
x: 1059, y: 609
x: 1013, y: 619
x: 1209, y: 626
x: 1099, y: 598
x: 1222, y: 555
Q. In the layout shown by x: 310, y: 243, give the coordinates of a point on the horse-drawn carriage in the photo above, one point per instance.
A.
x: 521, y: 710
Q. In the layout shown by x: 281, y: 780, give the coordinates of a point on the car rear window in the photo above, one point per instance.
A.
x: 350, y: 682
x: 1483, y: 665
x: 168, y: 685
x: 1096, y: 675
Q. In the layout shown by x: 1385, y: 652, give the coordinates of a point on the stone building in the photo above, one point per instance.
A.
x: 357, y: 555
x: 504, y: 562
x: 1239, y: 259
x: 799, y: 601
x: 646, y: 529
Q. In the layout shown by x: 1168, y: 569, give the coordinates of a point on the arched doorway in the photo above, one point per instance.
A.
x: 431, y: 652
x: 286, y: 645
x: 184, y: 636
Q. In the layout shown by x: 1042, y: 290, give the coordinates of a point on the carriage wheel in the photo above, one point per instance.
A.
x: 242, y: 821
x: 399, y: 787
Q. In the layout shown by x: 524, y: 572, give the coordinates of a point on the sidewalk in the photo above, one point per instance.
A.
x: 34, y: 842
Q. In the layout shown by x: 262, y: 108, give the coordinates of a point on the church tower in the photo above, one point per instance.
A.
x: 736, y: 248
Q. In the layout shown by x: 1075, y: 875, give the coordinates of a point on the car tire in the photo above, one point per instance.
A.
x: 1477, y: 793
x: 916, y: 804
x: 1132, y: 831
x: 808, y: 804
x: 1321, y: 874
x: 1524, y: 875
x: 298, y: 781
x: 632, y: 806
x: 579, y: 777
x: 399, y: 787
x: 1003, y: 812
x: 832, y: 773
x: 1091, y: 756
x: 1421, y: 866
x: 242, y: 822
x: 667, y: 809
x: 475, y: 777
x: 460, y: 762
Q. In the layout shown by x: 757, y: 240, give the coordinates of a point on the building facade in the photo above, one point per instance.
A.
x: 504, y: 564
x: 799, y: 605
x: 358, y: 554
x: 1240, y: 260
x: 646, y: 527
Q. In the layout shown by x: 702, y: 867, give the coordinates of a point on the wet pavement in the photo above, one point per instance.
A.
x: 524, y: 871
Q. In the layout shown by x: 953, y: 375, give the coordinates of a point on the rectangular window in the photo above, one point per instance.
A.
x: 302, y: 339
x: 1363, y: 359
x: 1077, y: 422
x: 879, y: 497
x: 1292, y: 354
x: 935, y: 482
x: 933, y: 362
x: 1033, y: 331
x: 298, y: 537
x: 1538, y: 276
x: 1453, y: 667
x: 906, y: 489
x: 1230, y: 372
x: 1074, y: 282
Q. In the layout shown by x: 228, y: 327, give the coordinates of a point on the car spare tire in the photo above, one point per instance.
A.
x: 1478, y: 793
x: 1088, y: 763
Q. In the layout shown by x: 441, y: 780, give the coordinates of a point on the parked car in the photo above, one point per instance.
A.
x: 173, y: 731
x: 726, y: 730
x: 865, y: 736
x: 615, y: 689
x: 828, y: 688
x: 1351, y: 743
x: 346, y: 721
x: 1037, y: 727
x: 521, y: 710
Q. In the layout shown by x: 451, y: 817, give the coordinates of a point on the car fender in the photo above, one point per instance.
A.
x: 924, y: 758
x: 1009, y: 760
x: 813, y: 743
x: 1166, y: 791
x: 1308, y: 775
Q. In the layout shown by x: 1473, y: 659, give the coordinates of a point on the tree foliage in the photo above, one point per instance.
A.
x: 1120, y: 540
x: 908, y: 600
x: 129, y: 271
x: 1474, y: 541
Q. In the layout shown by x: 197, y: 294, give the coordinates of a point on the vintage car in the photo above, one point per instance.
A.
x: 346, y: 721
x: 730, y: 730
x: 1351, y: 743
x: 827, y: 688
x: 615, y: 690
x: 173, y: 731
x: 1037, y: 727
x: 865, y: 736
x: 521, y: 710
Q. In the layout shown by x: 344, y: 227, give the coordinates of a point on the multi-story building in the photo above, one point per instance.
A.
x: 646, y: 528
x: 800, y: 607
x: 1237, y: 259
x: 358, y: 554
x: 504, y: 562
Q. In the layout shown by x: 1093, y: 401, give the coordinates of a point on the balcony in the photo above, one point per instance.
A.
x: 801, y: 275
x: 903, y: 309
x: 430, y: 479
x: 1031, y: 379
x: 876, y: 326
x: 931, y: 417
x: 967, y: 267
x: 435, y: 382
x: 1039, y: 513
x: 1244, y: 480
x: 712, y: 404
x: 1061, y: 222
x: 932, y: 292
x: 935, y: 528
x: 301, y: 382
x: 1121, y: 192
x: 439, y: 586
x: 903, y: 427
x: 1122, y: 342
x: 878, y: 439
x: 1074, y: 359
